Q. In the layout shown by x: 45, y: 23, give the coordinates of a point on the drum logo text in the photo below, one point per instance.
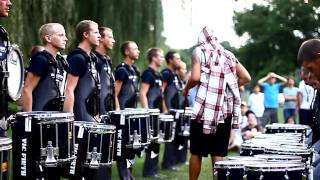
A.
x: 119, y: 141
x: 24, y: 157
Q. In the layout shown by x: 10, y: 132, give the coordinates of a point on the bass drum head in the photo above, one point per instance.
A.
x: 16, y: 73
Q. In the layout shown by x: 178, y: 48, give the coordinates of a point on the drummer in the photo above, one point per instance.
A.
x: 172, y: 89
x: 4, y: 12
x: 45, y: 76
x: 46, y: 72
x: 83, y: 83
x: 151, y: 97
x: 126, y: 89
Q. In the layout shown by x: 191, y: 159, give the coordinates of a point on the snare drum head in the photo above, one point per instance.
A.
x: 50, y: 115
x: 274, y: 167
x: 16, y: 73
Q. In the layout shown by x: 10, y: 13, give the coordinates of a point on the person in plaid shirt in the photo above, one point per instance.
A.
x: 218, y: 75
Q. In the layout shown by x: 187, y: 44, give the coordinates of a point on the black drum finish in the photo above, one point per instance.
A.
x: 154, y: 124
x: 274, y: 171
x: 132, y: 132
x: 182, y: 118
x: 41, y: 141
x: 167, y: 129
x: 5, y: 157
x: 95, y: 144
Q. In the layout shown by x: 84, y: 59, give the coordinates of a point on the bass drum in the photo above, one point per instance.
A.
x: 16, y: 72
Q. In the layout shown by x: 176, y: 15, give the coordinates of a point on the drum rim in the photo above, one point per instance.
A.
x: 97, y: 125
x: 274, y: 167
x: 15, y: 47
x: 41, y: 114
x: 278, y: 157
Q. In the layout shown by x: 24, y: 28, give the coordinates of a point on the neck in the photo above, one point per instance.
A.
x: 85, y: 47
x: 171, y: 67
x: 153, y: 66
x: 102, y: 50
x: 53, y: 51
x: 128, y: 60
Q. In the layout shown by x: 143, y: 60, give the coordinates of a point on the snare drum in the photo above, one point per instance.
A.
x: 41, y: 138
x: 5, y: 157
x: 287, y: 128
x: 280, y: 158
x: 231, y: 169
x: 167, y: 128
x: 275, y: 171
x: 250, y: 149
x: 95, y: 144
x: 182, y: 118
x: 154, y: 124
x: 132, y: 131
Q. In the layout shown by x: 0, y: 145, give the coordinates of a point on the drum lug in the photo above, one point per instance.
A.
x: 186, y: 130
x: 245, y: 177
x: 261, y: 176
x: 95, y: 157
x: 161, y: 137
x: 228, y: 174
x: 136, y: 138
x: 286, y: 177
x: 50, y: 152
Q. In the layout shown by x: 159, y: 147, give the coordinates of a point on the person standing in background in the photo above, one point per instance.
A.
x: 256, y: 101
x: 271, y: 91
x: 290, y: 95
x: 151, y: 98
x: 104, y: 67
x: 126, y: 95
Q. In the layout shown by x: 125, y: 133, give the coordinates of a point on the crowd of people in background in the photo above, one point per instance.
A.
x: 264, y: 101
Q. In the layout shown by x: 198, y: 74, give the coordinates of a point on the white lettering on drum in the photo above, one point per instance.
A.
x: 119, y: 142
x: 73, y: 163
x: 24, y: 157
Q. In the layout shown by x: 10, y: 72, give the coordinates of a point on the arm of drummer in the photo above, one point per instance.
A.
x: 31, y: 82
x: 117, y: 88
x: 242, y: 73
x: 195, y: 73
x: 72, y: 82
x: 163, y: 87
x: 144, y: 88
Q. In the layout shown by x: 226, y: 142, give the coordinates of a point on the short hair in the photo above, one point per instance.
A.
x: 47, y: 29
x: 35, y: 49
x: 170, y: 56
x: 250, y: 112
x: 290, y: 77
x: 308, y: 50
x: 153, y: 52
x: 124, y: 47
x: 82, y: 27
x: 103, y: 29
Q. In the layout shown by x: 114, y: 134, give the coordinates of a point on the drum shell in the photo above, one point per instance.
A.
x: 183, y: 121
x: 5, y: 156
x: 123, y: 145
x: 167, y: 129
x: 26, y: 136
x: 278, y: 171
x: 93, y: 135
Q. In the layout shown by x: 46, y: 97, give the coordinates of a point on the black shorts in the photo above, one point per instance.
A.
x: 213, y: 144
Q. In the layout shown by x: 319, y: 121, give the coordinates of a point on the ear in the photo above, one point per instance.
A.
x: 85, y: 35
x: 47, y: 38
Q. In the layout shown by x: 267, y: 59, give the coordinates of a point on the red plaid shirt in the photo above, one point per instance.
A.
x: 218, y: 94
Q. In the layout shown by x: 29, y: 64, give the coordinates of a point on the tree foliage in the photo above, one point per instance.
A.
x: 137, y: 20
x: 276, y: 32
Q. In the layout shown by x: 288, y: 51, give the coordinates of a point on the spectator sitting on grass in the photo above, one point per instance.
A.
x: 253, y: 128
